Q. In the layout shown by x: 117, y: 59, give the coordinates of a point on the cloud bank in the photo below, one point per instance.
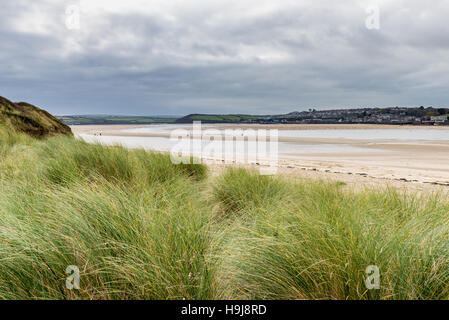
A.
x: 178, y: 57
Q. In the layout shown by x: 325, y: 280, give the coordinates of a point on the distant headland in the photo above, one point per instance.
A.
x: 393, y: 116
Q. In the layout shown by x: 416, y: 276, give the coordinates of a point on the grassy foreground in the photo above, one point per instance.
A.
x: 140, y: 227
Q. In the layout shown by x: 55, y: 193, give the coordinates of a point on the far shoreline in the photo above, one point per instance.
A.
x: 89, y: 128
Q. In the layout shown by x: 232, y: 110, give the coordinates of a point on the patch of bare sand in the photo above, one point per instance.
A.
x: 353, y: 181
x: 415, y: 165
x: 294, y: 126
x: 78, y: 129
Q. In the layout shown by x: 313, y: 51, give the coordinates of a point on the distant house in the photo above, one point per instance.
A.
x: 439, y: 119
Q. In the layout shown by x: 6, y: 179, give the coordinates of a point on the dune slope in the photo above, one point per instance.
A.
x: 26, y: 118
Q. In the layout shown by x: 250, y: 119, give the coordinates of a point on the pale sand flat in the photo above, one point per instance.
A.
x: 404, y: 164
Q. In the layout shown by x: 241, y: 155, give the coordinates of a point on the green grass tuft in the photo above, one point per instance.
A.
x: 140, y: 227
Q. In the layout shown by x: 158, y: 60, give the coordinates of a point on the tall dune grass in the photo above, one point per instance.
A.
x: 129, y: 220
x: 140, y: 227
x: 317, y: 241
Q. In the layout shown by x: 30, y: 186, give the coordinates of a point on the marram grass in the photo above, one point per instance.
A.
x: 139, y: 227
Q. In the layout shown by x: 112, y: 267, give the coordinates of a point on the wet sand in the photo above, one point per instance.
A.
x: 400, y: 163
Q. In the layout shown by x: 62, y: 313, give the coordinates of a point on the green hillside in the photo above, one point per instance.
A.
x: 26, y: 118
x: 111, y: 120
x: 219, y: 118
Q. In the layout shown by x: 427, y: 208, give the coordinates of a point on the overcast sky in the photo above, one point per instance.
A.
x: 229, y: 56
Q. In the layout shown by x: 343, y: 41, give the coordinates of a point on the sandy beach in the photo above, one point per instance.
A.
x: 402, y: 163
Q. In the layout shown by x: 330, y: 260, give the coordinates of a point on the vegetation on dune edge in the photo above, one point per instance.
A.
x: 140, y: 227
x: 26, y: 118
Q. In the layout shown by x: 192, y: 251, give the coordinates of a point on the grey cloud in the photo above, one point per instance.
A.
x: 207, y: 57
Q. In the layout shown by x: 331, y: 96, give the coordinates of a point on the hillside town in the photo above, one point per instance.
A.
x: 396, y: 115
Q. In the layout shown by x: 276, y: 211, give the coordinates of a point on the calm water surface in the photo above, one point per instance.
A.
x: 363, y: 134
x: 286, y: 149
